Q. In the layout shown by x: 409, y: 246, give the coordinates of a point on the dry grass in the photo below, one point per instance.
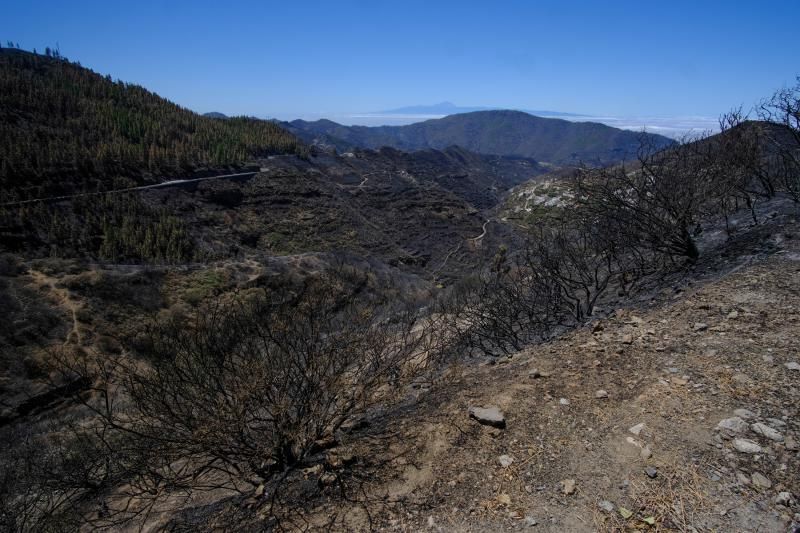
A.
x: 671, y: 502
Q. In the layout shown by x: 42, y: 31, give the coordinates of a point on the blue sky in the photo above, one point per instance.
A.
x: 293, y: 58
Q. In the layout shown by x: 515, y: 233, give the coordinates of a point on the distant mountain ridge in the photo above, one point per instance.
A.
x: 507, y: 133
x: 449, y: 108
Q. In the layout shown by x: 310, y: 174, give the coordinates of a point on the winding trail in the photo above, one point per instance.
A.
x: 482, y: 235
x: 365, y: 178
x: 446, y: 258
x: 475, y: 240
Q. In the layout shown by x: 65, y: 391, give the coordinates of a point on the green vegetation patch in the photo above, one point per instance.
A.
x: 118, y: 228
x: 203, y: 284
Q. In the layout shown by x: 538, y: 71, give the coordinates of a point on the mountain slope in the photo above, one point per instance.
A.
x: 511, y: 133
x: 752, y: 139
x: 64, y: 127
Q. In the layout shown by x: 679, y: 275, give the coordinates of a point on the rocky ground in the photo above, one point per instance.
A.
x: 676, y: 413
x: 685, y: 416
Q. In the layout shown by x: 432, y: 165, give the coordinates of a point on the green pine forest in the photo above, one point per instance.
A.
x: 115, y: 227
x: 66, y: 129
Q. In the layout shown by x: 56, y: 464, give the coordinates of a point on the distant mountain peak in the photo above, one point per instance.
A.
x: 449, y: 108
x: 442, y: 108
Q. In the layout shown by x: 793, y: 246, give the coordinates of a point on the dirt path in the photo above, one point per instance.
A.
x: 483, y: 234
x: 444, y: 262
x: 63, y: 298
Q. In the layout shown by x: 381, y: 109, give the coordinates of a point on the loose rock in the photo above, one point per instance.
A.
x: 784, y: 498
x: 505, y: 460
x: 776, y: 422
x: 568, y: 486
x: 747, y: 446
x: 637, y: 428
x: 488, y: 416
x: 631, y: 440
x: 761, y: 481
x: 606, y: 506
x: 733, y: 424
x: 792, y: 365
x: 766, y: 431
x: 651, y: 472
x: 601, y: 394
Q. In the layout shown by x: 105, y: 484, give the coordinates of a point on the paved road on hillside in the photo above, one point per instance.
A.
x: 170, y: 183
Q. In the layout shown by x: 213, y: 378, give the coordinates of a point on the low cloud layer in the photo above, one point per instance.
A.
x: 674, y: 127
